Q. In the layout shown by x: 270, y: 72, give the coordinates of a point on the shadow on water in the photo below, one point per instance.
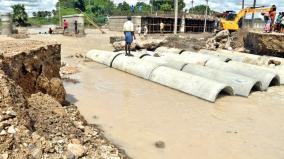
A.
x: 71, y: 98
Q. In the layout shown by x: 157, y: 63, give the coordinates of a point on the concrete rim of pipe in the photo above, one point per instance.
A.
x: 139, y: 55
x: 164, y: 49
x: 114, y: 59
x: 267, y: 78
x: 241, y: 87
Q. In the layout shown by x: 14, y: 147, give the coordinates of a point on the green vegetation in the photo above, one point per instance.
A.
x: 37, y: 21
x: 166, y: 5
x: 99, y: 10
x: 20, y: 16
x: 200, y: 9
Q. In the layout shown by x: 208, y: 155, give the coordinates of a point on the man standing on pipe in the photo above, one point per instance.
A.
x: 128, y: 29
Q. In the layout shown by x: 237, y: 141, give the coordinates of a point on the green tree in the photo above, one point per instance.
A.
x: 157, y: 4
x: 166, y: 7
x: 104, y: 7
x: 200, y: 9
x: 80, y: 4
x: 123, y: 6
x: 145, y: 7
x: 20, y: 15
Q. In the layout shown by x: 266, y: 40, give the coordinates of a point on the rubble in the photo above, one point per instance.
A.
x: 221, y: 40
x: 149, y: 44
x: 68, y: 70
x: 41, y: 128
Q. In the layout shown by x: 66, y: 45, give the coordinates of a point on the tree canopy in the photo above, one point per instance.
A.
x: 200, y: 9
x: 20, y: 16
x: 167, y: 5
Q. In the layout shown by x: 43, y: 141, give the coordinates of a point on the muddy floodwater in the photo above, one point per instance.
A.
x: 136, y: 113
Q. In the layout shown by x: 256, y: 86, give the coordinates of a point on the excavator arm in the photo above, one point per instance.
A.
x: 233, y: 25
x: 245, y: 11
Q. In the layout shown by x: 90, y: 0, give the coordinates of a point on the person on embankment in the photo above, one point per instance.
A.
x: 272, y: 15
x: 128, y: 29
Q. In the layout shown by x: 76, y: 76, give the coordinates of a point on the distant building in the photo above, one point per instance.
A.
x: 71, y: 20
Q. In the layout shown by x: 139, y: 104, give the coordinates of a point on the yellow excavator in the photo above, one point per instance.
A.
x: 231, y: 21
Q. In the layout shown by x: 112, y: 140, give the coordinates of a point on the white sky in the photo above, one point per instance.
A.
x: 218, y: 5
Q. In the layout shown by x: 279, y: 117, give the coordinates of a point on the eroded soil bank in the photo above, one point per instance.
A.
x: 33, y: 123
x: 271, y: 44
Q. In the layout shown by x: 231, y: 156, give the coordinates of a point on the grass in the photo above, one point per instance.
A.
x: 38, y: 21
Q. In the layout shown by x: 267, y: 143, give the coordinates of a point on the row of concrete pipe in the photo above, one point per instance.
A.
x: 194, y: 85
x: 200, y: 75
x: 233, y: 59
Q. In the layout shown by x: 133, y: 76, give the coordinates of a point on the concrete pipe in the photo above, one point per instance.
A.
x: 242, y: 85
x: 178, y: 65
x: 191, y: 84
x: 140, y: 54
x: 164, y: 50
x: 204, y: 56
x: 195, y: 58
x: 266, y: 78
x: 103, y: 57
x: 278, y: 72
x: 240, y: 57
x: 243, y: 57
x: 134, y: 66
x: 6, y: 24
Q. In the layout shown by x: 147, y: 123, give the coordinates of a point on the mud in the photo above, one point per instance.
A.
x: 187, y: 42
x: 271, y: 44
x: 33, y: 65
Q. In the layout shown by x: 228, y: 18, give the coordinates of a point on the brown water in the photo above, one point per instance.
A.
x: 136, y: 113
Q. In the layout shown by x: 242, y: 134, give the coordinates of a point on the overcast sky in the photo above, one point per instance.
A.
x: 218, y: 5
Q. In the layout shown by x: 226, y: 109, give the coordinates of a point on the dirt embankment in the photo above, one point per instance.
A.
x: 33, y: 124
x: 34, y: 66
x: 265, y: 44
x: 192, y: 42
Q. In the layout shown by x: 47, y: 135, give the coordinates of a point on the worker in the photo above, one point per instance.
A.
x: 162, y: 27
x: 145, y: 31
x: 65, y: 26
x: 272, y: 15
x: 128, y: 29
x: 76, y: 26
x: 282, y: 23
x: 139, y: 30
x: 50, y: 31
x: 132, y: 9
x: 278, y: 22
x: 216, y: 24
x: 267, y: 21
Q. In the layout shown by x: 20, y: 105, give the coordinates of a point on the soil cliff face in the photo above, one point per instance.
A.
x: 34, y: 66
x: 265, y: 44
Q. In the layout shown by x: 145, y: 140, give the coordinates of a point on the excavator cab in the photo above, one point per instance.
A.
x: 230, y: 15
